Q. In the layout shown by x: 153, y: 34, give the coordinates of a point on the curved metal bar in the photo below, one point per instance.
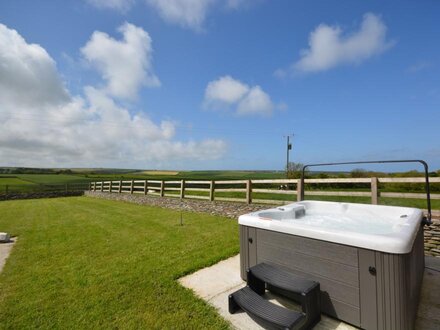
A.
x: 426, y: 220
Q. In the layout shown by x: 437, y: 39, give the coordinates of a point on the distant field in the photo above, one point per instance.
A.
x: 52, y: 178
x: 12, y: 180
x: 160, y: 172
x: 33, y: 182
x: 191, y: 175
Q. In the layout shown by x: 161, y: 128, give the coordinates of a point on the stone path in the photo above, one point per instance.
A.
x: 5, y: 250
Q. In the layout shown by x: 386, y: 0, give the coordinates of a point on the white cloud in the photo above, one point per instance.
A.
x: 27, y: 73
x: 256, y: 102
x: 226, y: 90
x: 120, y: 5
x: 328, y: 47
x: 126, y: 65
x: 186, y: 13
x: 229, y: 92
x: 41, y: 124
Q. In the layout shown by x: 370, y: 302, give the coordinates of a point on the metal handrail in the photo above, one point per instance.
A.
x: 426, y: 220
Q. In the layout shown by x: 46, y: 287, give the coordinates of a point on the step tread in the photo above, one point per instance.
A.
x: 254, y: 304
x: 281, y: 278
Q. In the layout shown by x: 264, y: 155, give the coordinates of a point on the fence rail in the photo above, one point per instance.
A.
x: 218, y: 190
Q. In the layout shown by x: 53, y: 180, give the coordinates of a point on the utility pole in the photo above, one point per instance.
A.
x: 289, y: 147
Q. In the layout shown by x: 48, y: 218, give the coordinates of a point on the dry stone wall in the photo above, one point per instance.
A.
x: 432, y: 239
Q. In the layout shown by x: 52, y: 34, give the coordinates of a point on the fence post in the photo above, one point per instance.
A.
x: 249, y: 191
x: 110, y: 188
x: 211, y: 190
x: 131, y: 186
x: 6, y: 191
x: 67, y: 188
x: 182, y: 189
x: 145, y: 187
x: 299, y: 190
x: 120, y: 186
x: 162, y: 188
x: 374, y: 191
x: 102, y: 186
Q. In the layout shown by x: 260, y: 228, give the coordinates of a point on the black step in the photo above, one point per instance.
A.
x: 268, y: 315
x: 280, y: 278
x: 282, y: 281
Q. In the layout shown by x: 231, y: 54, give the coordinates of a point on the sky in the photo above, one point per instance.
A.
x: 218, y: 84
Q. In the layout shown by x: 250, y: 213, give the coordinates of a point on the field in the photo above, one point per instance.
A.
x: 86, y: 263
x: 160, y: 172
x: 192, y: 175
x: 12, y: 180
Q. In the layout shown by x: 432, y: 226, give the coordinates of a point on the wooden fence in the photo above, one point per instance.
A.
x: 210, y: 190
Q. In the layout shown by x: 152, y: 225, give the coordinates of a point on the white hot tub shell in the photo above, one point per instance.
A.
x: 369, y: 259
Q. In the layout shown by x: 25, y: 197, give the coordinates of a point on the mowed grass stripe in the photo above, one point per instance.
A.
x: 88, y: 263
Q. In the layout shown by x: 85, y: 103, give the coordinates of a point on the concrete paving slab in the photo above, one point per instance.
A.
x: 5, y: 250
x: 215, y: 283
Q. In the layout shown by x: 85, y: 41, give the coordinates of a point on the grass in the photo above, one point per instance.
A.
x: 88, y: 263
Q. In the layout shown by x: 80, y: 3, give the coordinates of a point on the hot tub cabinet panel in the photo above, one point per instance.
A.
x: 369, y: 289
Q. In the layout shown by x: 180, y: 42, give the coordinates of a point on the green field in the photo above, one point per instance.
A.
x: 33, y: 182
x: 84, y: 263
x: 193, y: 175
x: 13, y: 180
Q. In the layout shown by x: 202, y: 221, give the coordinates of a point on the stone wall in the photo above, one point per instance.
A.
x: 46, y: 194
x: 226, y: 209
x: 234, y: 210
x: 432, y: 239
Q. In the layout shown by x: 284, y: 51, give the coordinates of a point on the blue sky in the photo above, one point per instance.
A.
x: 211, y: 84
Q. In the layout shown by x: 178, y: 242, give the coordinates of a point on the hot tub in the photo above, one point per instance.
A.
x: 369, y: 259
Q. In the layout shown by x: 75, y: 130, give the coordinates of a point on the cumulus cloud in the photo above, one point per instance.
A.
x: 120, y: 5
x: 329, y: 47
x: 225, y: 90
x: 255, y: 102
x: 125, y: 64
x: 244, y: 99
x: 186, y: 13
x: 27, y: 73
x: 42, y: 124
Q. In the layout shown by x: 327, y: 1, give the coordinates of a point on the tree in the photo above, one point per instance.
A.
x: 359, y: 173
x: 294, y: 170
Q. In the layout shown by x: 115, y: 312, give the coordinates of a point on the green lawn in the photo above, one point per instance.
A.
x: 88, y: 263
